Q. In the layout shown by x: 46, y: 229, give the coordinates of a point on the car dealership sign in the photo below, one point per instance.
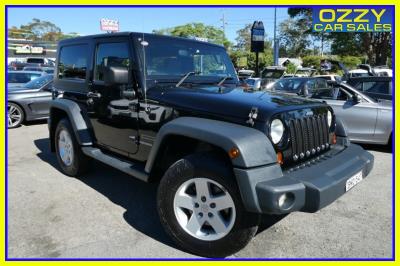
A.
x: 109, y: 25
x: 257, y: 37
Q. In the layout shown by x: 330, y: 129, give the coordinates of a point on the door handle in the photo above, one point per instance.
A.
x: 93, y: 95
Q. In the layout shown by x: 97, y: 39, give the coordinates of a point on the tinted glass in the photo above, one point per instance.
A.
x: 73, y: 62
x: 323, y: 94
x: 22, y: 77
x: 111, y: 54
x: 380, y: 87
x: 272, y: 74
x: 250, y: 81
x: 172, y: 58
x: 39, y: 82
x: 288, y: 85
x: 342, y: 95
x: 35, y: 60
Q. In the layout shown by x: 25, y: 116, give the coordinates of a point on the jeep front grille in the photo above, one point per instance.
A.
x: 308, y: 136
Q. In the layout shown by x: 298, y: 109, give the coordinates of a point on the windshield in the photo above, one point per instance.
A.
x: 39, y: 82
x: 289, y: 85
x: 272, y: 74
x: 173, y: 58
x: 250, y: 81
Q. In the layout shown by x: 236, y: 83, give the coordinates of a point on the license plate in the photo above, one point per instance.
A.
x: 354, y: 180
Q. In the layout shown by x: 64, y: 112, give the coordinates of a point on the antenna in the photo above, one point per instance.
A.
x: 144, y: 44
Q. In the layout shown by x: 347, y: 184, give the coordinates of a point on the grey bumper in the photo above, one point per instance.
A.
x: 307, y: 188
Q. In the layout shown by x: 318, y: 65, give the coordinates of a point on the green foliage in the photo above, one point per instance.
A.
x: 191, y: 30
x: 293, y: 40
x: 311, y: 61
x: 351, y: 62
x: 291, y: 68
x: 39, y: 30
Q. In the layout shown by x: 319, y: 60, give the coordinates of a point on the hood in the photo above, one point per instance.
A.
x: 230, y: 102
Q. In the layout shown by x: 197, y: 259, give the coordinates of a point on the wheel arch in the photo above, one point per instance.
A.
x: 62, y: 108
x: 254, y: 147
x: 22, y: 108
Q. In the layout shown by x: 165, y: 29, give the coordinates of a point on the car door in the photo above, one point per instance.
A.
x: 358, y: 117
x: 41, y: 101
x: 113, y: 115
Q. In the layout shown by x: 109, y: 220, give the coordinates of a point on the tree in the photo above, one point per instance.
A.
x: 39, y: 30
x: 243, y: 39
x: 199, y: 30
x: 293, y: 41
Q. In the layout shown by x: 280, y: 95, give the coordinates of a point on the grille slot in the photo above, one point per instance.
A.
x: 308, y: 136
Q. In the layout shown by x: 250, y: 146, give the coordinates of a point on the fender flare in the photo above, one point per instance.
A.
x: 74, y: 114
x: 254, y: 147
x: 340, y: 129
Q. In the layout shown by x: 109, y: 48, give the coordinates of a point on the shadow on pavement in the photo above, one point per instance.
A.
x: 379, y: 148
x: 136, y: 197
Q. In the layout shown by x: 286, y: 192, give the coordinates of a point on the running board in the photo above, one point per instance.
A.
x: 135, y: 170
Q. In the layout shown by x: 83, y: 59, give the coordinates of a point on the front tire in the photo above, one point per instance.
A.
x: 69, y: 154
x: 201, y: 209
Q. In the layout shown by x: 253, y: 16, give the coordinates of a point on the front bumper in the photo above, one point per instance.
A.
x: 308, y: 187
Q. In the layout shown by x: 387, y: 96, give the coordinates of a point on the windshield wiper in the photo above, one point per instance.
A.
x: 223, y: 80
x: 185, y: 77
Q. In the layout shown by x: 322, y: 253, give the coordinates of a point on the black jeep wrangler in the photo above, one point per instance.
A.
x: 170, y: 110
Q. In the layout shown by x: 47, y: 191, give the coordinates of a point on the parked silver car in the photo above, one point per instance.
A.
x: 29, y: 101
x: 367, y: 120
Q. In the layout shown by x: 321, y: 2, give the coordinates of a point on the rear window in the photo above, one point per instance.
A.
x: 73, y: 62
x: 35, y: 60
x: 22, y: 77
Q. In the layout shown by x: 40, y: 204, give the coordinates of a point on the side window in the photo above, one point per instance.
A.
x: 358, y: 86
x: 342, y: 95
x: 323, y: 94
x: 111, y: 54
x: 73, y: 62
x: 380, y: 87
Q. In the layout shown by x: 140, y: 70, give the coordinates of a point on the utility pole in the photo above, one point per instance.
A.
x: 276, y: 48
x: 223, y: 23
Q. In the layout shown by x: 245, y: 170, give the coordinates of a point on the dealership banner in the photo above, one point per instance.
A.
x: 352, y: 19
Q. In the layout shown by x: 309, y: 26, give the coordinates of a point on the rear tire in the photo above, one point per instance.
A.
x: 213, y: 195
x: 69, y: 154
x: 15, y: 115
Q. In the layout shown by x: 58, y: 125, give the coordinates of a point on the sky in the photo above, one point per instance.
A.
x: 87, y: 20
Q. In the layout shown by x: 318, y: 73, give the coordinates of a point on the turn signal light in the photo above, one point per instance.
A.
x: 233, y: 153
x: 334, y: 138
x: 279, y: 157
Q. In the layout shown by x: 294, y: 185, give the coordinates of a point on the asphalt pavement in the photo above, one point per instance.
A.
x: 108, y: 214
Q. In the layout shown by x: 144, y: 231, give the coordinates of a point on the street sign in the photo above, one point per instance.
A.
x: 257, y: 37
x: 109, y: 25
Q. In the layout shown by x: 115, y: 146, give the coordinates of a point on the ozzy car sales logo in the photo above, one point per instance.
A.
x: 351, y: 19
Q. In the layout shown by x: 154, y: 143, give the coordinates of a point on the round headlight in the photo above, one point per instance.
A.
x: 329, y: 117
x: 276, y: 130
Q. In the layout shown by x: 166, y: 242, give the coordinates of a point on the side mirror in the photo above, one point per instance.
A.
x: 115, y: 75
x: 357, y: 98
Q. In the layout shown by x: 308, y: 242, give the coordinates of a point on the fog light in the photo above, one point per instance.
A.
x: 286, y: 200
